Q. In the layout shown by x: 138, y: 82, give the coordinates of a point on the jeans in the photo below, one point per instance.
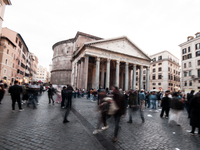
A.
x: 91, y: 97
x: 50, y: 98
x: 166, y: 110
x: 117, y: 119
x: 132, y: 110
x: 153, y: 104
x: 32, y: 100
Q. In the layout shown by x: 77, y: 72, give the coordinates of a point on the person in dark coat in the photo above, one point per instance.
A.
x: 187, y: 103
x: 64, y: 96
x: 15, y: 92
x: 51, y: 92
x: 195, y: 113
x: 2, y: 91
x: 121, y: 103
x: 165, y: 104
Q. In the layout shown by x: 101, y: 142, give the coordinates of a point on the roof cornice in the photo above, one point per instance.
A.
x: 7, y: 2
x: 190, y: 41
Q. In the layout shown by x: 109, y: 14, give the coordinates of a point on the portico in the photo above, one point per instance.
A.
x: 107, y: 63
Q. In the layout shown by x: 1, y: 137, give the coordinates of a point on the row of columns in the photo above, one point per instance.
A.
x: 82, y: 74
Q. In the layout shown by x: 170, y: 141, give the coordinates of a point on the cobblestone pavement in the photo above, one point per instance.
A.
x: 42, y: 128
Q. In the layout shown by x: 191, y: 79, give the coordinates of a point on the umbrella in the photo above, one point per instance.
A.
x: 39, y: 81
x: 154, y: 90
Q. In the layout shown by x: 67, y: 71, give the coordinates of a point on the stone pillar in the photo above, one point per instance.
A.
x: 141, y: 78
x: 78, y: 75
x: 102, y: 74
x: 147, y: 79
x: 117, y: 74
x: 122, y: 78
x: 81, y: 73
x: 126, y: 76
x: 134, y: 77
x: 85, y: 79
x: 97, y: 73
x: 108, y: 74
x: 75, y: 75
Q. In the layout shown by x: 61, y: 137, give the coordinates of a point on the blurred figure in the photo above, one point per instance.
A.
x: 58, y: 92
x: 91, y: 95
x: 142, y: 99
x: 51, y: 92
x: 194, y: 110
x: 94, y: 93
x: 176, y: 109
x: 165, y: 104
x: 2, y: 92
x: 153, y: 99
x: 187, y: 103
x: 64, y: 96
x: 121, y: 103
x: 15, y: 92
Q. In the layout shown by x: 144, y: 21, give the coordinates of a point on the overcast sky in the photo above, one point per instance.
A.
x: 153, y: 25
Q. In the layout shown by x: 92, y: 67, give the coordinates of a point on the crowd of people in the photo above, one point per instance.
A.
x: 112, y: 102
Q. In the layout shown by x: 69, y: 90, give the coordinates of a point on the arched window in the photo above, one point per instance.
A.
x: 6, y: 62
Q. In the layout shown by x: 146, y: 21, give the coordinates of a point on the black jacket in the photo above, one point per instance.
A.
x: 189, y: 97
x: 166, y: 102
x: 176, y: 104
x: 15, y: 90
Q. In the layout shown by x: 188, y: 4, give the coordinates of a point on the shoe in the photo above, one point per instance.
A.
x: 129, y: 122
x: 96, y: 131
x: 105, y: 127
x: 166, y: 117
x: 160, y: 116
x: 65, y: 121
x: 115, y: 139
x: 178, y: 125
x: 192, y: 133
x: 63, y: 107
x: 21, y: 110
x: 143, y: 120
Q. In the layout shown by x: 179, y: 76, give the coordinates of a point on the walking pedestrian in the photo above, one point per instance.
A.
x: 194, y: 110
x: 69, y: 96
x: 165, y: 104
x: 64, y: 96
x: 15, y: 92
x: 58, y: 92
x: 2, y: 92
x: 51, y: 92
x: 187, y: 103
x: 33, y: 90
x: 176, y: 109
x: 153, y: 99
x: 142, y: 99
x: 121, y: 103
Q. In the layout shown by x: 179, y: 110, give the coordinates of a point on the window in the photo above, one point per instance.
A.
x: 6, y: 62
x: 20, y: 44
x: 174, y: 71
x: 160, y: 57
x: 160, y: 64
x: 153, y: 77
x: 190, y: 83
x: 154, y: 83
x: 169, y: 77
x: 189, y: 49
x: 16, y: 40
x: 159, y: 76
x: 197, y: 46
x: 159, y: 83
x: 136, y: 73
x: 168, y: 68
x: 160, y: 69
x: 189, y: 56
x: 136, y: 78
x: 190, y: 73
x: 144, y: 72
x: 154, y: 65
x: 185, y: 83
x: 4, y: 71
x: 154, y: 70
x: 13, y: 65
x: 185, y: 57
x: 198, y: 35
x: 198, y: 73
x: 154, y: 59
x: 184, y: 65
x: 185, y: 74
x: 198, y: 62
x: 189, y: 64
x: 144, y: 78
x: 184, y: 51
x: 7, y: 51
x: 197, y: 53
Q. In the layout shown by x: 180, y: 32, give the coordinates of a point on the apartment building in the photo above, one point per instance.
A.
x: 164, y: 72
x: 15, y: 59
x: 42, y: 74
x: 34, y: 66
x: 190, y: 64
x: 3, y: 4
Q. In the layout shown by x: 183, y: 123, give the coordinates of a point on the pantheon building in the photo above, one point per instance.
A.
x: 87, y: 61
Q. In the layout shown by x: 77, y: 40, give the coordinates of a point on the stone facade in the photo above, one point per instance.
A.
x: 190, y: 64
x: 93, y: 62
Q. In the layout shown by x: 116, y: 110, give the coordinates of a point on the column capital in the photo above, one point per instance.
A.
x: 108, y: 59
x: 117, y: 61
x: 127, y: 63
x: 98, y: 59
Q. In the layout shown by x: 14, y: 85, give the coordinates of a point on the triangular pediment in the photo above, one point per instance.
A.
x: 120, y: 45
